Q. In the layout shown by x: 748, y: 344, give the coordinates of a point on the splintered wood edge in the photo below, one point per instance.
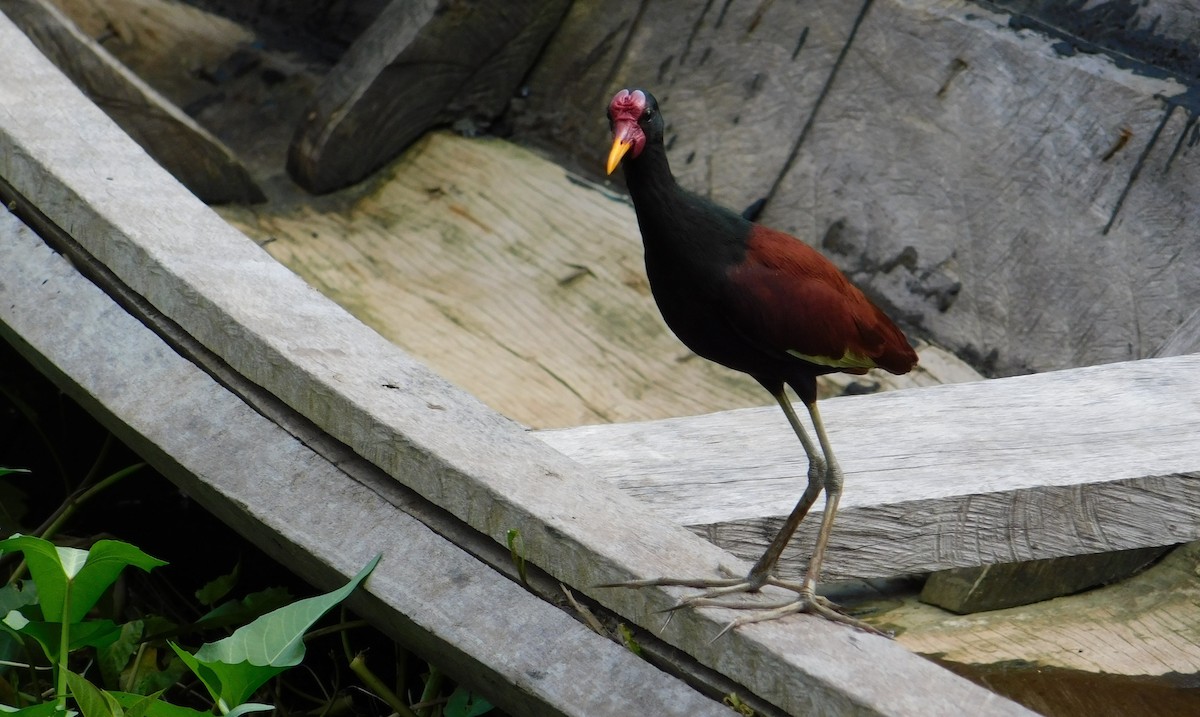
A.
x: 260, y: 480
x: 67, y: 159
x: 1062, y: 463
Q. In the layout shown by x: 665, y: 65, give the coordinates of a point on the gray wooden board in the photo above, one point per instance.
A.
x: 187, y: 150
x: 418, y: 65
x: 78, y: 169
x: 483, y: 629
x: 960, y: 170
x: 1061, y: 463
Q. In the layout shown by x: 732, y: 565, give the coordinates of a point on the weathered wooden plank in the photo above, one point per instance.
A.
x: 993, y: 587
x: 420, y: 64
x: 1147, y: 625
x: 972, y: 174
x: 187, y: 150
x: 181, y: 51
x: 480, y: 627
x: 227, y: 293
x: 1062, y: 463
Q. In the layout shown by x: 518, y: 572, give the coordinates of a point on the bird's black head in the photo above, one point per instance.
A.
x: 634, y: 120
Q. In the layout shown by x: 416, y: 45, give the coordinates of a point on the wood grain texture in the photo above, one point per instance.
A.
x: 1144, y: 626
x: 187, y: 150
x: 1185, y: 339
x: 218, y: 286
x: 1062, y: 463
x: 1002, y: 585
x: 430, y: 594
x: 952, y: 165
x: 175, y: 47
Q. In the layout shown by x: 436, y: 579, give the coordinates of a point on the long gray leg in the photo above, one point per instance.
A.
x: 816, y: 478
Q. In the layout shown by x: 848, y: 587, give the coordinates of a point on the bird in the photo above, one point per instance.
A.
x: 759, y: 301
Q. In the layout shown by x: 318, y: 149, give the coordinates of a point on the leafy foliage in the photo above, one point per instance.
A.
x: 67, y: 480
x: 70, y: 581
x: 233, y: 668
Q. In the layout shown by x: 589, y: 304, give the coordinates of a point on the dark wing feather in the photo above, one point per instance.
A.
x: 787, y: 298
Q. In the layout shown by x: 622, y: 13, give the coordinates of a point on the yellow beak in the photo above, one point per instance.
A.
x: 619, y: 148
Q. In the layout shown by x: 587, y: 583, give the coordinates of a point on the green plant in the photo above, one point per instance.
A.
x: 76, y: 484
x: 51, y: 611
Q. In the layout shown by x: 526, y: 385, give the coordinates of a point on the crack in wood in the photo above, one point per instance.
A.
x: 812, y: 116
x: 800, y: 43
x: 957, y: 66
x: 724, y: 9
x: 1137, y: 168
x: 687, y: 46
x: 757, y: 17
x: 1188, y: 128
x: 622, y: 53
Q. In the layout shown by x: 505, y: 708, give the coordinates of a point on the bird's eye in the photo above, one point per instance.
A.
x: 648, y: 114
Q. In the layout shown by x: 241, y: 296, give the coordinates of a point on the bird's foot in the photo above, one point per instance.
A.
x: 806, y: 601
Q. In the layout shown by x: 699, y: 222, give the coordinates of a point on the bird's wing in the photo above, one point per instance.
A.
x: 788, y: 298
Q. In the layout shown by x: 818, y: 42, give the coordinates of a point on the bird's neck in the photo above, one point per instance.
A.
x: 651, y: 185
x: 676, y: 224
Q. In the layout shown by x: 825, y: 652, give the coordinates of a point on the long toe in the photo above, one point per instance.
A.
x: 677, y: 582
x: 813, y: 605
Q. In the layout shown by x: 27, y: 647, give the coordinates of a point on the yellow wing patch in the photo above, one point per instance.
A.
x: 848, y: 360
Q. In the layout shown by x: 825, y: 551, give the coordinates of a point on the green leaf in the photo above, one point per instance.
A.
x: 136, y: 707
x: 46, y: 709
x: 241, y: 612
x: 45, y: 566
x: 218, y: 588
x: 105, y: 561
x: 247, y: 708
x: 75, y: 579
x: 113, y: 657
x: 208, y: 677
x: 276, y: 639
x: 516, y: 550
x: 154, y: 706
x: 7, y: 471
x: 93, y: 633
x: 234, y: 668
x: 92, y: 702
x: 229, y: 685
x: 464, y: 703
x: 628, y: 640
x: 144, y: 676
x: 17, y: 596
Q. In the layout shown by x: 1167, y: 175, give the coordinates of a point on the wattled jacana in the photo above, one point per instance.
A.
x: 755, y: 300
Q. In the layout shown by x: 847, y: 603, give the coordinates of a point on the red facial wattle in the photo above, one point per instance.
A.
x: 624, y: 112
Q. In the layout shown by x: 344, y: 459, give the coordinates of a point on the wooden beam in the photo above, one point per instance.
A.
x: 998, y: 586
x: 225, y: 292
x: 308, y: 512
x: 1062, y: 463
x: 418, y: 65
x: 193, y: 155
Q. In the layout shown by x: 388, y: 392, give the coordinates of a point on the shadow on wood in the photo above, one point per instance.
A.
x: 420, y: 64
